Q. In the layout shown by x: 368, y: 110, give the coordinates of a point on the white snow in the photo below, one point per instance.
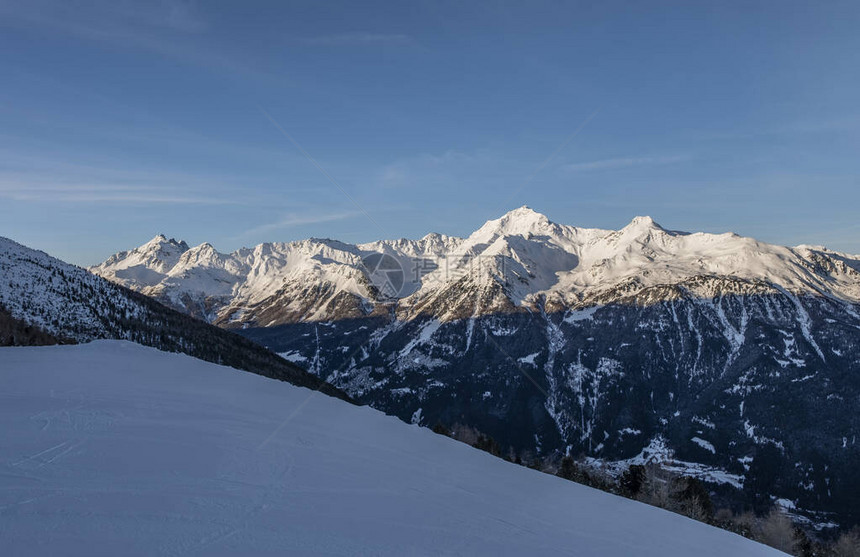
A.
x: 423, y: 336
x: 242, y: 279
x: 525, y: 254
x: 114, y: 449
x: 760, y: 439
x: 293, y: 356
x: 786, y: 504
x: 658, y: 452
x: 704, y: 421
x: 530, y: 359
x: 416, y: 417
x: 580, y: 315
x: 707, y: 445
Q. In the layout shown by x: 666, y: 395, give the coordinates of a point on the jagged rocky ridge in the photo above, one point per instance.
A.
x: 733, y: 360
x: 44, y: 301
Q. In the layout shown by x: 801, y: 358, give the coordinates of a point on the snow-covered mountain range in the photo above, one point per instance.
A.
x: 734, y: 360
x: 519, y: 262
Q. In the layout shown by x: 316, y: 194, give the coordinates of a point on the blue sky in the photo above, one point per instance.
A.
x: 121, y: 120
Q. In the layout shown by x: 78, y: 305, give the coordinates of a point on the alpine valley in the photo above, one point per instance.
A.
x: 725, y: 358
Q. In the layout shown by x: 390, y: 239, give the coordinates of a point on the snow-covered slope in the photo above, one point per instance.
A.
x: 114, y: 449
x: 518, y: 262
x: 148, y: 263
x: 308, y: 280
x: 524, y: 261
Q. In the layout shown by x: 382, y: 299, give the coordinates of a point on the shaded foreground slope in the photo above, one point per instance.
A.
x: 118, y: 449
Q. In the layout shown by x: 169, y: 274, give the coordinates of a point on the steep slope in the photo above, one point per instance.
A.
x: 134, y: 451
x: 67, y: 302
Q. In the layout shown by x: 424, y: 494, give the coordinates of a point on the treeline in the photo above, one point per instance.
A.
x: 654, y: 485
x: 14, y: 332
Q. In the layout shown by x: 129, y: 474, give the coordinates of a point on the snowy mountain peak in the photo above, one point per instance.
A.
x: 645, y: 229
x: 204, y: 254
x: 519, y: 222
x: 523, y: 216
x: 643, y: 222
x: 144, y: 264
x: 161, y: 241
x: 163, y: 249
x: 204, y: 248
x: 523, y: 210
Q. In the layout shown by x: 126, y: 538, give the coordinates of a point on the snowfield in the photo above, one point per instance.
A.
x: 111, y: 448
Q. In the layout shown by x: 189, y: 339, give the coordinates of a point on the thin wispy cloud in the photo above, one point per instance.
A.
x: 105, y: 193
x: 34, y: 179
x: 612, y: 164
x: 293, y: 220
x: 359, y: 38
